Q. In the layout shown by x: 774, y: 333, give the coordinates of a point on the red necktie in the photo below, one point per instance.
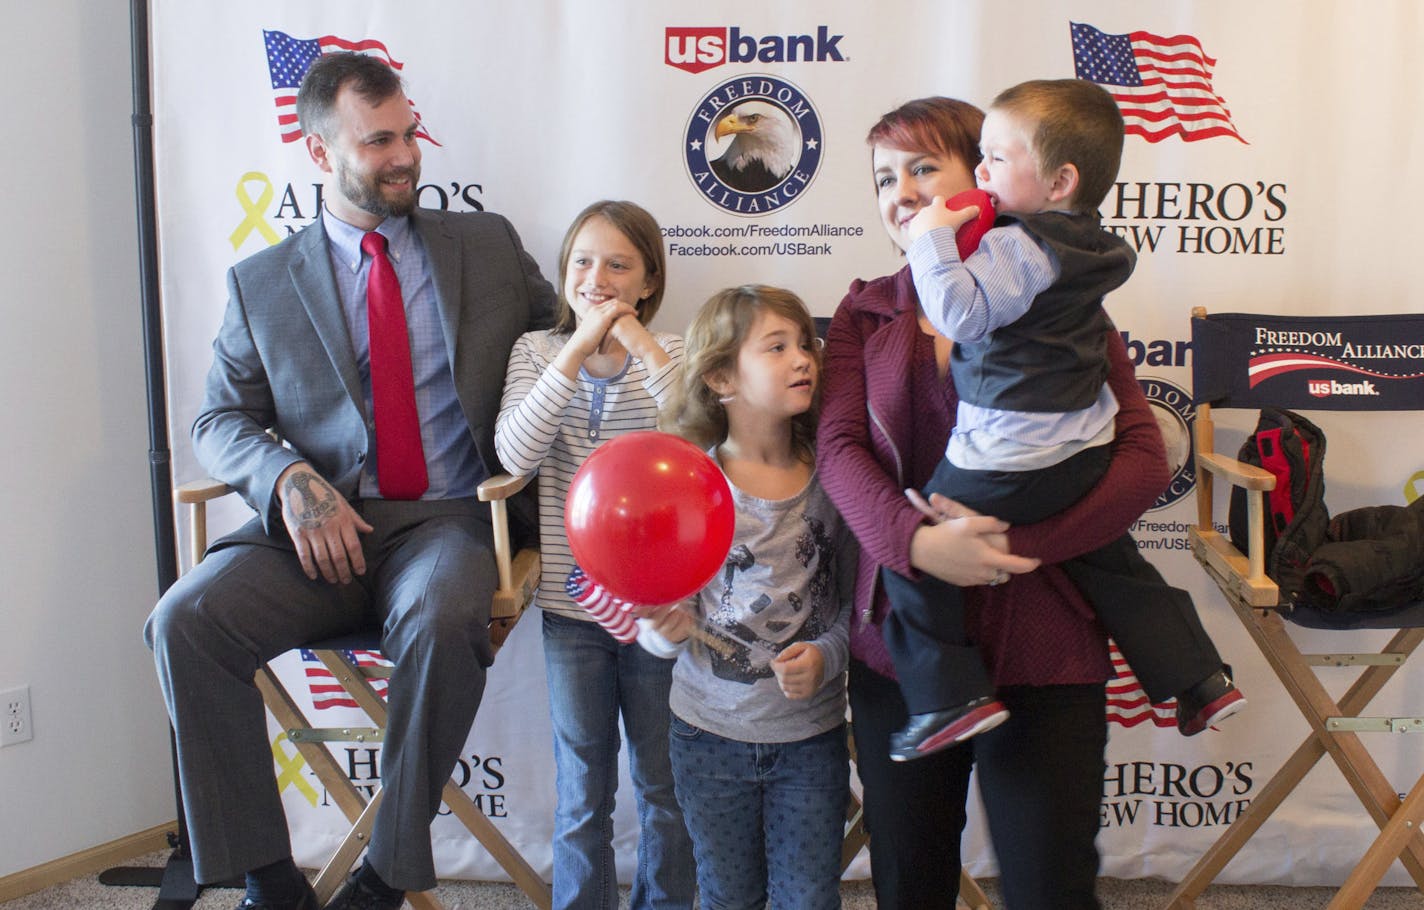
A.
x: 400, y: 458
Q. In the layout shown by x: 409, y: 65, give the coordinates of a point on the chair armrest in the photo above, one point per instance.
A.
x: 199, y: 491
x: 1238, y: 473
x: 1231, y: 570
x: 502, y: 486
x: 196, y: 494
x: 518, y: 572
x: 1243, y: 574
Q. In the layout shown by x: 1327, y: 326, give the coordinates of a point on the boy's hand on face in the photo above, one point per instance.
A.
x: 935, y: 215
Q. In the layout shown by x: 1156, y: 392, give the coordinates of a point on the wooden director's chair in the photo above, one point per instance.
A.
x: 1238, y: 364
x: 518, y: 579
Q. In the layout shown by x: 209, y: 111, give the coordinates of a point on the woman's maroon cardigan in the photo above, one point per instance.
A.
x: 1034, y: 629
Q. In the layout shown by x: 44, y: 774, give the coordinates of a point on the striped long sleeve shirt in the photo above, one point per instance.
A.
x: 549, y: 425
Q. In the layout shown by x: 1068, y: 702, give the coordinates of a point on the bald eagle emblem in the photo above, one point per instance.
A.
x: 753, y: 144
x: 763, y: 150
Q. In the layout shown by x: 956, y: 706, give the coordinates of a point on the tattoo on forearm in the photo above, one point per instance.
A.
x: 310, y: 501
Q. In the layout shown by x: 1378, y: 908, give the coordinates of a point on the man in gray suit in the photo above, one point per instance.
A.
x: 328, y: 552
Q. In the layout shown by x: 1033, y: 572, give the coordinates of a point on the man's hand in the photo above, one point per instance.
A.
x: 935, y: 215
x: 323, y: 526
x: 799, y: 669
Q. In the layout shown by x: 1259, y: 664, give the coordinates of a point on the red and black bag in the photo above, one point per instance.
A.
x: 1293, y: 449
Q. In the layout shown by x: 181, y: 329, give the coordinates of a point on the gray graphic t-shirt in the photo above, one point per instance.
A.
x: 788, y: 578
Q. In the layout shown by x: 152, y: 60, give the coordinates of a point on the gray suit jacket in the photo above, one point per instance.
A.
x: 283, y: 358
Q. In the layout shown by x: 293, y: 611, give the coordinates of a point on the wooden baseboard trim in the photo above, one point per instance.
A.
x: 85, y: 862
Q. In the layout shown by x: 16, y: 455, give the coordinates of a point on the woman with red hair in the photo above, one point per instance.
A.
x: 889, y: 405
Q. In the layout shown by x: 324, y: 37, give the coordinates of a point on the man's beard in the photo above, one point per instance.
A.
x: 367, y: 194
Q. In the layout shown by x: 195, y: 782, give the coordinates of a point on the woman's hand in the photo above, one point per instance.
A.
x: 799, y: 669
x: 963, y: 548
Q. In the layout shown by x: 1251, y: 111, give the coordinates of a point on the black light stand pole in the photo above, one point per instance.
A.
x: 160, y: 467
x: 177, y: 888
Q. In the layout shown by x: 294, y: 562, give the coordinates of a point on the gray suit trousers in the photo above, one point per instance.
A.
x: 429, y: 579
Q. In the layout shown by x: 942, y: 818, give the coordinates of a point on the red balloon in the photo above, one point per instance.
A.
x: 650, y: 517
x: 972, y: 231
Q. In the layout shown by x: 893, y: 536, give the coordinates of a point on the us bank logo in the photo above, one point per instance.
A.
x: 699, y: 49
x: 753, y: 144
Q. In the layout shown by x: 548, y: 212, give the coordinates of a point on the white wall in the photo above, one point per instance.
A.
x: 76, y: 541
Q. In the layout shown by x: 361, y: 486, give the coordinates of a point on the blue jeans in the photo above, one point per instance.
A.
x: 766, y: 818
x: 592, y: 679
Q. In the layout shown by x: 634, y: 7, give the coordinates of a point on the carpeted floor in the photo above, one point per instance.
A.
x: 1115, y: 894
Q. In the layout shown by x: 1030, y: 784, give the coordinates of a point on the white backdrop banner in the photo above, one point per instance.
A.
x: 1279, y: 181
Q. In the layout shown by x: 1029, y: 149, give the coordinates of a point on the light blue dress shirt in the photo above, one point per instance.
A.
x: 451, y: 461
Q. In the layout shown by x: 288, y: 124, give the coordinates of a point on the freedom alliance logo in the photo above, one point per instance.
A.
x: 1176, y: 413
x: 699, y: 49
x: 1341, y: 359
x: 753, y: 144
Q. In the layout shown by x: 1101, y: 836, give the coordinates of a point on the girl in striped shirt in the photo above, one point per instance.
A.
x: 597, y: 374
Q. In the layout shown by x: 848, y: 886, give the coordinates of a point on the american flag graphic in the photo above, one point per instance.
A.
x: 1127, y: 703
x: 287, y: 62
x: 1162, y: 85
x: 326, y: 692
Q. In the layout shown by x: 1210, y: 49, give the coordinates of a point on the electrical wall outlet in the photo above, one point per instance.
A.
x: 16, y: 725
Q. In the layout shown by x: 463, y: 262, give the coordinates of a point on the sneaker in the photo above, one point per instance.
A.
x: 936, y: 730
x: 1213, y: 699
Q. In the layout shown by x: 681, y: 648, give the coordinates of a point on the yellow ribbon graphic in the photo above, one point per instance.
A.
x: 289, y: 768
x: 253, y: 211
x: 1412, y: 489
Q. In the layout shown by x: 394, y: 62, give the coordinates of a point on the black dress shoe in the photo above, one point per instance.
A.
x: 355, y: 895
x: 936, y: 730
x: 306, y: 902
